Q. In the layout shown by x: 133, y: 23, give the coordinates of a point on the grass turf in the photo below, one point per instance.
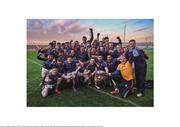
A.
x: 85, y: 97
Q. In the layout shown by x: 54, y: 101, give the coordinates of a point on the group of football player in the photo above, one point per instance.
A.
x: 94, y: 62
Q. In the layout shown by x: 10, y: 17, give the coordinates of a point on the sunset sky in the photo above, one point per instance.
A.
x: 42, y: 31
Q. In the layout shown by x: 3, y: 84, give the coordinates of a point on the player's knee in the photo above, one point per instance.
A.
x: 73, y: 78
x: 44, y: 92
x: 59, y: 80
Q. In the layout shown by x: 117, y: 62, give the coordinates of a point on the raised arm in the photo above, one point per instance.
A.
x: 91, y: 35
x: 106, y: 70
x: 98, y: 34
x: 40, y: 57
x: 119, y: 41
x: 145, y: 55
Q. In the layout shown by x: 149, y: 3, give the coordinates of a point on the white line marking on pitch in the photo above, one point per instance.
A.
x: 121, y: 99
x: 100, y: 91
x: 34, y: 62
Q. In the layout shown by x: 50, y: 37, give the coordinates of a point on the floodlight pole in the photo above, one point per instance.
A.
x: 124, y: 33
x: 146, y: 42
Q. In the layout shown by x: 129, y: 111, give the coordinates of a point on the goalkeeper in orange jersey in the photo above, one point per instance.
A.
x: 124, y: 72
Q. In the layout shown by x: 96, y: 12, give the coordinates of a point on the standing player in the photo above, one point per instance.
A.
x: 138, y: 57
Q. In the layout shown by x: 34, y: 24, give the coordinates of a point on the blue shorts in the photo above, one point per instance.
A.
x: 116, y: 74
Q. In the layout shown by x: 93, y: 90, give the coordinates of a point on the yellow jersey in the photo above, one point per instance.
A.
x: 126, y: 71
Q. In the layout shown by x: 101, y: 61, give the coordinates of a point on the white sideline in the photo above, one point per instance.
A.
x: 32, y: 61
x: 121, y: 99
x: 100, y: 91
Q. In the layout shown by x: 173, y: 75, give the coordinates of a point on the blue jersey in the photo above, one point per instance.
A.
x: 62, y: 58
x: 115, y: 54
x: 53, y: 78
x: 58, y: 66
x: 59, y: 49
x: 91, y: 68
x: 82, y: 56
x: 69, y: 67
x: 101, y: 65
x: 137, y: 56
x: 47, y: 64
x: 48, y: 51
x: 103, y: 54
x: 112, y: 65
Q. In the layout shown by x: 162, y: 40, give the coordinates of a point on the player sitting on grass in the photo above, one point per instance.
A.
x: 50, y: 81
x: 124, y: 73
x: 90, y: 71
x: 70, y: 69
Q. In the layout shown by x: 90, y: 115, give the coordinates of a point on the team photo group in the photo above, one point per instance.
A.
x: 94, y: 61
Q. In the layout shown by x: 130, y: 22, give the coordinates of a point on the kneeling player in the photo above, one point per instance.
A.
x: 124, y: 73
x: 50, y: 81
x: 90, y: 71
x: 101, y: 74
x: 47, y: 65
x: 69, y: 73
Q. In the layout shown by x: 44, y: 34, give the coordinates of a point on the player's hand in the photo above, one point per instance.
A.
x: 54, y: 60
x: 81, y: 63
x: 79, y: 67
x: 91, y: 75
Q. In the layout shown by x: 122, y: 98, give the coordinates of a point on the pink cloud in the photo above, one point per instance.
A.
x: 61, y: 25
x: 77, y: 28
x: 144, y: 38
x: 36, y: 24
x: 60, y: 30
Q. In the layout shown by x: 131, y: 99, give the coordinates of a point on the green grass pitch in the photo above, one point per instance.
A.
x: 85, y: 97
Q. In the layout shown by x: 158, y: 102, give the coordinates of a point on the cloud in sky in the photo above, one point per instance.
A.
x: 140, y: 29
x: 42, y: 31
x: 61, y: 30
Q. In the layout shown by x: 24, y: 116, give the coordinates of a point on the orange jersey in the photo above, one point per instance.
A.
x: 126, y: 71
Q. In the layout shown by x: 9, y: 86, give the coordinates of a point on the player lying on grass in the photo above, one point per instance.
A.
x: 124, y: 73
x: 70, y: 69
x: 50, y: 81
